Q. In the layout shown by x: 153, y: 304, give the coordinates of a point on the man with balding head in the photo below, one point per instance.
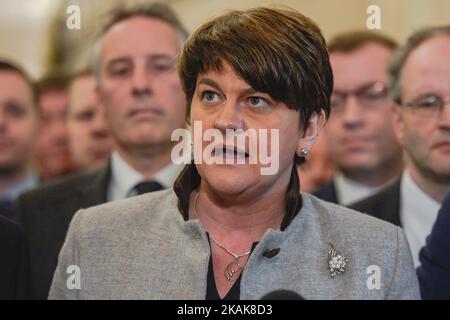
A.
x: 420, y: 82
x: 139, y: 88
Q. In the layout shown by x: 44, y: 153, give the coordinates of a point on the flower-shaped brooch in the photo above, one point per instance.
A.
x: 337, y: 262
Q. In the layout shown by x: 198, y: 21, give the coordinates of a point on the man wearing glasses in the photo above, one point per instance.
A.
x: 359, y: 132
x: 420, y: 82
x: 138, y: 85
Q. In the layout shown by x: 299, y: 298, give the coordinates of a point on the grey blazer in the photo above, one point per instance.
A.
x: 142, y: 248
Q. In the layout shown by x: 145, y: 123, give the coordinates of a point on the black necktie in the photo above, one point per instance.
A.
x: 147, y: 186
x: 6, y: 208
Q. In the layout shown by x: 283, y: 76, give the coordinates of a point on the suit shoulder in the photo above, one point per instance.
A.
x: 129, y: 214
x: 326, y: 192
x: 374, y: 203
x: 61, y: 187
x: 9, y: 230
x: 346, y: 218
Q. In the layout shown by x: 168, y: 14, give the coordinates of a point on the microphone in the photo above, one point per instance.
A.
x: 282, y: 294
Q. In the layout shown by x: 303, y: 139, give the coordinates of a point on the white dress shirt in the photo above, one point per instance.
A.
x: 349, y: 191
x: 124, y: 178
x: 418, y: 211
x: 30, y: 181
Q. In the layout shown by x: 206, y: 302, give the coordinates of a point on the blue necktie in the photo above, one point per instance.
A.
x: 148, y: 186
x: 6, y: 208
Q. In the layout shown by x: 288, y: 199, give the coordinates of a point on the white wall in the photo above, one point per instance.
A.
x: 24, y: 24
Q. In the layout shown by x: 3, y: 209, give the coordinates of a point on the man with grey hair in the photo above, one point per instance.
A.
x: 139, y: 88
x: 420, y: 80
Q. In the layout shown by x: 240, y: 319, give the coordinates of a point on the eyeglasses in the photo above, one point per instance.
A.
x: 427, y: 105
x: 369, y: 95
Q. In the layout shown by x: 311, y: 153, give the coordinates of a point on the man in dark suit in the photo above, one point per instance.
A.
x: 420, y: 82
x: 384, y: 205
x: 434, y: 272
x: 359, y: 132
x: 45, y: 214
x: 18, y: 128
x: 14, y: 271
x: 138, y: 85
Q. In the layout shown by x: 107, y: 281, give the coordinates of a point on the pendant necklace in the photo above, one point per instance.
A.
x: 234, y: 268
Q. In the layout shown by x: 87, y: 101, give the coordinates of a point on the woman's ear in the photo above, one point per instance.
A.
x: 315, y: 123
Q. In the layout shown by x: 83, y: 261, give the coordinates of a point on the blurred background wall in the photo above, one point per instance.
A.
x: 33, y: 33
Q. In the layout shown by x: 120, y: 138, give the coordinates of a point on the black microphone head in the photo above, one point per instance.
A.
x: 282, y: 294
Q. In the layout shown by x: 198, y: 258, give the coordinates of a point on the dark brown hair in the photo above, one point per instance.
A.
x: 52, y: 82
x: 11, y: 67
x: 352, y: 40
x: 276, y: 51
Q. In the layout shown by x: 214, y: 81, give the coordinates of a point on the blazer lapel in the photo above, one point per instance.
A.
x: 384, y: 205
x: 90, y: 192
x: 96, y: 192
x: 391, y: 205
x: 327, y: 192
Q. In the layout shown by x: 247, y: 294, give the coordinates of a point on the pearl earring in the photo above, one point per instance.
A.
x: 303, y: 152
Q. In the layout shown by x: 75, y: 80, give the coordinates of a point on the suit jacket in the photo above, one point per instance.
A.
x: 142, y: 248
x: 45, y: 214
x: 327, y: 192
x: 14, y: 268
x: 384, y: 205
x: 434, y: 271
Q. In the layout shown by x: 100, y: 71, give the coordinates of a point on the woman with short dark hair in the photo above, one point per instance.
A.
x: 229, y: 230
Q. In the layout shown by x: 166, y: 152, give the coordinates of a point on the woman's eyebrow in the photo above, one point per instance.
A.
x: 210, y: 82
x: 215, y: 85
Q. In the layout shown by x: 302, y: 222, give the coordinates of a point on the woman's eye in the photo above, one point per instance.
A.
x: 209, y: 96
x: 258, y: 102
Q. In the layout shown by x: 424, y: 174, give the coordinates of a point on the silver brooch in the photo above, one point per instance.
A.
x: 337, y: 262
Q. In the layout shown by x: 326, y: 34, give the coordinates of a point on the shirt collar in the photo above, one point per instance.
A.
x: 414, y: 195
x: 418, y: 211
x: 124, y: 178
x: 349, y: 191
x: 30, y: 181
x: 167, y: 176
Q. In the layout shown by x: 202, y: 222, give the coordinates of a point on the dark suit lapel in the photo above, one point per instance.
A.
x: 96, y: 191
x: 384, y: 205
x: 89, y: 192
x: 327, y: 192
x: 391, y: 206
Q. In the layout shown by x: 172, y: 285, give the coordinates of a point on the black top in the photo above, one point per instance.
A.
x: 211, y: 289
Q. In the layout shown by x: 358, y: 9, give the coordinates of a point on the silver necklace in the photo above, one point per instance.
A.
x: 234, y: 268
